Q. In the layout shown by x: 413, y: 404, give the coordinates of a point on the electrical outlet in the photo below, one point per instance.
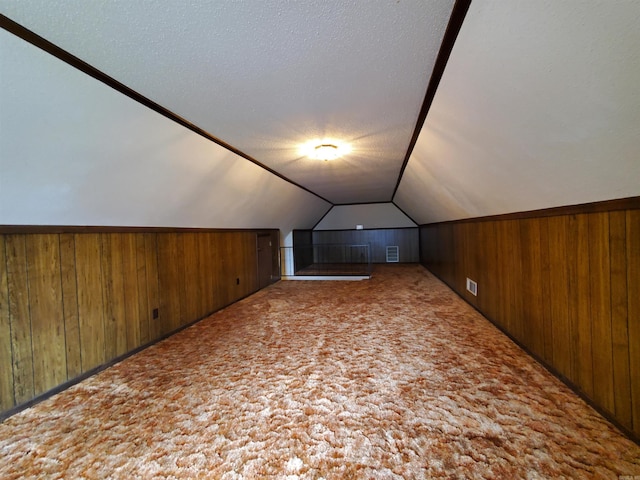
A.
x: 156, y: 313
x: 472, y: 287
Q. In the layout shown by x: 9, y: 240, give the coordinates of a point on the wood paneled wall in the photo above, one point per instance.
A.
x: 565, y: 286
x: 302, y: 249
x: 405, y: 238
x: 71, y: 302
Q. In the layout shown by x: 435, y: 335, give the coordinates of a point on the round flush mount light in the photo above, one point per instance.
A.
x: 324, y: 149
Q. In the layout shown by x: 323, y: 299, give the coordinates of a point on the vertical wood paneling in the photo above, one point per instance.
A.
x: 113, y: 295
x: 7, y: 399
x: 249, y: 263
x: 217, y: 270
x: 442, y: 254
x: 226, y: 284
x: 480, y: 266
x: 405, y: 238
x: 169, y: 281
x: 181, y: 262
x: 153, y: 287
x: 441, y: 233
x: 120, y: 309
x: 600, y: 274
x: 108, y: 295
x: 70, y: 304
x: 567, y: 287
x: 90, y: 301
x: 239, y: 264
x: 435, y: 239
x: 47, y: 314
x: 131, y: 295
x: 19, y: 317
x: 504, y: 317
x: 532, y: 301
x: 232, y: 269
x: 143, y: 295
x: 208, y: 255
x: 204, y: 274
x: 489, y: 253
x: 448, y: 254
x: 633, y: 311
x: 619, y: 325
x: 265, y: 260
x: 197, y: 282
x: 275, y: 260
x: 464, y: 267
x: 192, y: 290
x: 547, y: 320
x: 516, y: 281
x: 559, y: 298
x: 579, y: 305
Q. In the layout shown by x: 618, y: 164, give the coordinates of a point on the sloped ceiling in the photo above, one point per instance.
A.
x: 539, y: 106
x: 74, y: 151
x: 267, y: 77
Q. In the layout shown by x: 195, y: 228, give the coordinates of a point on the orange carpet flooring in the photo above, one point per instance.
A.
x: 390, y: 378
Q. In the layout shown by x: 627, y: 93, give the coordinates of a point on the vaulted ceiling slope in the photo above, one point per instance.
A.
x: 267, y: 77
x: 539, y: 106
x: 74, y: 151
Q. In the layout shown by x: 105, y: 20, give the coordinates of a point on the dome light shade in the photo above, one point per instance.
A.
x: 325, y: 152
x: 324, y: 149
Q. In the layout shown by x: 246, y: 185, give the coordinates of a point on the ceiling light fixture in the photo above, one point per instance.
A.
x: 325, y: 152
x: 325, y: 149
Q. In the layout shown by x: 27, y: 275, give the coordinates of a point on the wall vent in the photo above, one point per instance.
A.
x: 472, y: 287
x: 393, y: 254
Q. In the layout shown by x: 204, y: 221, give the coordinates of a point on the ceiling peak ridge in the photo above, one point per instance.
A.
x: 361, y: 203
x: 458, y: 14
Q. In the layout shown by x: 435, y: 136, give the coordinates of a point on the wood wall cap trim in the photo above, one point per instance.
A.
x: 39, y: 229
x: 364, y: 229
x: 629, y: 203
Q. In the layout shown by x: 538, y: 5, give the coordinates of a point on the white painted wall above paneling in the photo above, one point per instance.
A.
x: 539, y: 106
x: 76, y: 152
x: 375, y: 215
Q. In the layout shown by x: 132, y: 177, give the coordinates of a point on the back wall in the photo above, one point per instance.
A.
x: 405, y: 238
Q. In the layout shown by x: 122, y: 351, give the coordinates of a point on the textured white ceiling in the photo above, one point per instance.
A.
x: 76, y: 152
x: 539, y: 106
x: 266, y: 77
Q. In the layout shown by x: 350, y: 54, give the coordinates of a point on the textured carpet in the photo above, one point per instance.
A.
x: 394, y: 377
